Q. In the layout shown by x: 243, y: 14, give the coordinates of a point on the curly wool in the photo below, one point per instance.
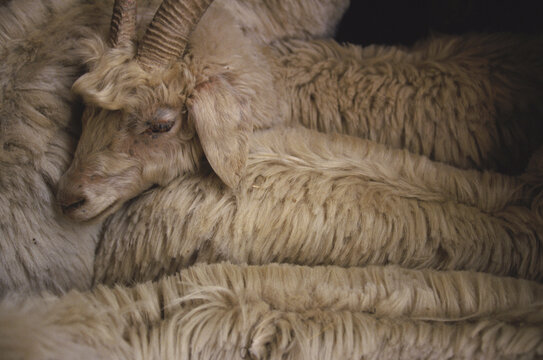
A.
x: 471, y: 101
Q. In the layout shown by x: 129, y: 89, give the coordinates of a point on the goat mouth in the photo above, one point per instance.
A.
x: 105, y: 212
x: 72, y: 207
x: 80, y: 214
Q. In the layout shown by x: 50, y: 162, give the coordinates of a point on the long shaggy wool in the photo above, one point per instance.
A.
x: 335, y: 200
x: 39, y: 248
x: 222, y: 87
x: 473, y: 101
x: 41, y: 54
x: 312, y: 199
x: 224, y: 311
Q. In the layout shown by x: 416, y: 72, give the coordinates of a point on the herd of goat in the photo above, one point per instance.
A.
x: 242, y: 133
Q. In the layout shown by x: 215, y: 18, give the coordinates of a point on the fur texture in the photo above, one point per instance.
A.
x: 311, y: 198
x: 218, y: 91
x: 43, y: 48
x: 475, y: 221
x: 285, y: 312
x: 465, y: 101
x: 472, y: 101
x: 39, y: 248
x: 270, y: 20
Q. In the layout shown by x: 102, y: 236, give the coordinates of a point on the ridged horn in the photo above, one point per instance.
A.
x: 167, y: 36
x: 123, y: 22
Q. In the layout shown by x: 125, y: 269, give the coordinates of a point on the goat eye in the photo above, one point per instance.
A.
x: 161, y: 127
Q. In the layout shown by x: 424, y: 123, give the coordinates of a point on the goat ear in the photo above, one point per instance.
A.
x: 223, y: 128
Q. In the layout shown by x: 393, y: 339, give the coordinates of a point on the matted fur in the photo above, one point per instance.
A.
x: 43, y: 47
x: 39, y: 248
x: 224, y: 311
x: 454, y: 314
x: 311, y: 198
x: 219, y: 90
x: 465, y: 101
x: 473, y: 101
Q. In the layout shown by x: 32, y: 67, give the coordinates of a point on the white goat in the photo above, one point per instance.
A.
x: 311, y: 198
x: 223, y: 311
x: 155, y: 111
x: 136, y: 132
x: 40, y: 57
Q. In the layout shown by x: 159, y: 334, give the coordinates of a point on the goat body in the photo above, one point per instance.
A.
x: 312, y: 199
x: 153, y: 111
x: 462, y: 101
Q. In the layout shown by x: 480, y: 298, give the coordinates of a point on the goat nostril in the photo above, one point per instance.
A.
x: 73, y: 205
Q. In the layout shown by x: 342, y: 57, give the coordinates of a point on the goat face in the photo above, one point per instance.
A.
x: 151, y: 116
x: 121, y: 153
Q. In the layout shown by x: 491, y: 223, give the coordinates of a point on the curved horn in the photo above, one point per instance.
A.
x: 123, y: 22
x: 167, y: 35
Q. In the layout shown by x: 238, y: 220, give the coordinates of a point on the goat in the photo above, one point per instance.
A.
x: 41, y: 55
x: 136, y: 102
x: 135, y: 131
x: 154, y: 112
x: 222, y: 311
x: 312, y: 199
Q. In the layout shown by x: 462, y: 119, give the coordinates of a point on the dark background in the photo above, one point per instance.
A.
x: 404, y: 22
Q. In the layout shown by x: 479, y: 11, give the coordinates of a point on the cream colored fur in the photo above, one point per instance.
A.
x: 43, y: 47
x: 472, y: 101
x: 311, y: 198
x: 224, y: 311
x: 269, y: 20
x: 39, y: 248
x: 482, y: 221
x: 465, y: 101
x: 220, y: 89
